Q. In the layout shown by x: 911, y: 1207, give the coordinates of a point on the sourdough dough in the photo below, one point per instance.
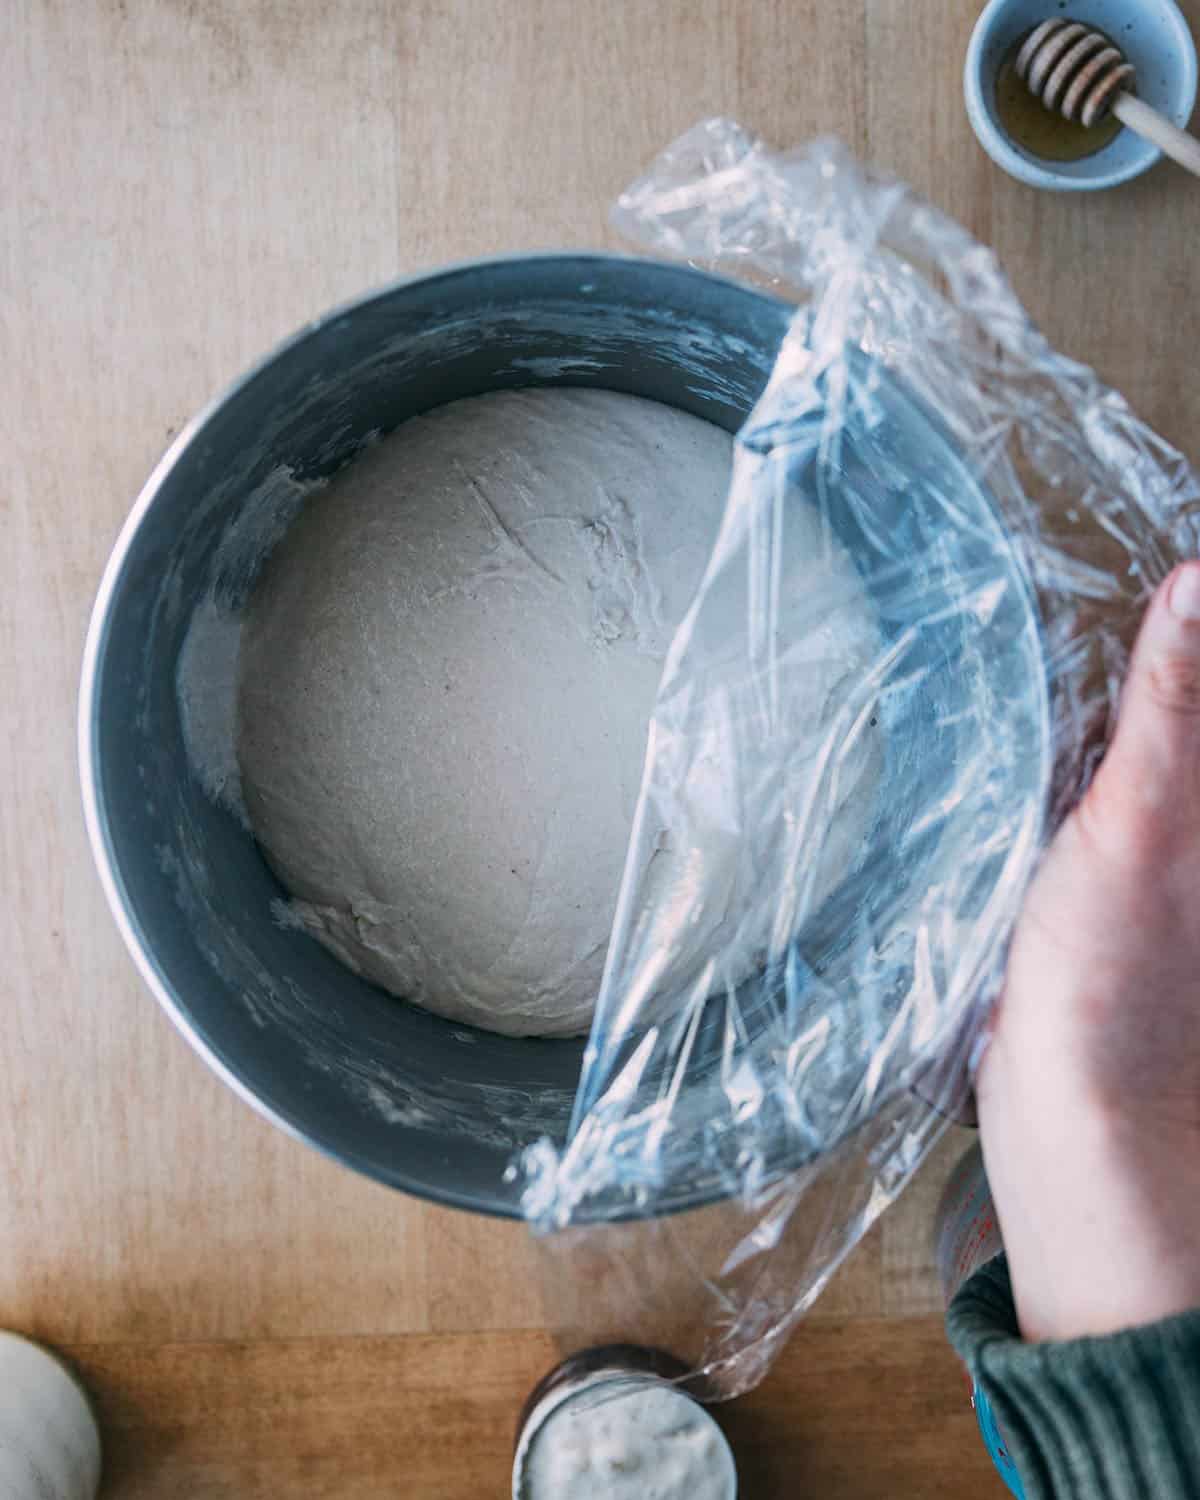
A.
x: 446, y: 675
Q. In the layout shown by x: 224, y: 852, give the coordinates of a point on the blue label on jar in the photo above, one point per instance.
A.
x: 993, y: 1441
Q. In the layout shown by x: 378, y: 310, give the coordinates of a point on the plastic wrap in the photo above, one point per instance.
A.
x: 895, y: 680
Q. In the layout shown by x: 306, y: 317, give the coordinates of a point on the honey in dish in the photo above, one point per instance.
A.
x: 1040, y: 131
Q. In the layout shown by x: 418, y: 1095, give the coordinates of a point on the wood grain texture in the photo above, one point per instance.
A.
x: 186, y: 181
x: 908, y: 1276
x: 853, y: 1411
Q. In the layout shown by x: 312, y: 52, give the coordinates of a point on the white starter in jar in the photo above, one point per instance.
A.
x: 49, y: 1442
x: 632, y: 1438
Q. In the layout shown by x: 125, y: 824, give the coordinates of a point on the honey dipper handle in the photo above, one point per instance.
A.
x: 1156, y: 128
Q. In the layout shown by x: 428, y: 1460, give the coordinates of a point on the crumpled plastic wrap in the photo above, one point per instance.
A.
x: 831, y: 847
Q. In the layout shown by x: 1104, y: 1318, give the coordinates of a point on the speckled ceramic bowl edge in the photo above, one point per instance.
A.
x: 1097, y: 172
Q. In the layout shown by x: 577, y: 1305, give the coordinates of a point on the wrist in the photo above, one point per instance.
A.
x: 1101, y: 1221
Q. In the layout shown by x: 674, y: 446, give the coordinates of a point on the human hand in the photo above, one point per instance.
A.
x: 1089, y: 1092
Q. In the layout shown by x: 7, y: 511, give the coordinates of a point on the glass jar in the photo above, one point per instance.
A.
x: 617, y: 1420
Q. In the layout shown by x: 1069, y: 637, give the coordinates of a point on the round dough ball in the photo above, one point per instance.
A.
x: 446, y: 675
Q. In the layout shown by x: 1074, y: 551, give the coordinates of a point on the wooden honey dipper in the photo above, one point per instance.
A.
x: 1080, y: 74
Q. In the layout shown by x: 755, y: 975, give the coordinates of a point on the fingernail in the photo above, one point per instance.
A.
x: 1184, y: 597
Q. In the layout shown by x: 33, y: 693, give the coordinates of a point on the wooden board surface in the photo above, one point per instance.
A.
x: 854, y: 1408
x: 186, y: 181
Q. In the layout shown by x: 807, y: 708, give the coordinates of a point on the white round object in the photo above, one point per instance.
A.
x: 49, y: 1442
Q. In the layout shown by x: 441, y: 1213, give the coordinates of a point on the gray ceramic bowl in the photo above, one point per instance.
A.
x: 409, y: 1099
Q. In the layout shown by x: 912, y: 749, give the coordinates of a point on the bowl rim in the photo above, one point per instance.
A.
x: 104, y: 856
x: 103, y: 847
x: 1031, y: 171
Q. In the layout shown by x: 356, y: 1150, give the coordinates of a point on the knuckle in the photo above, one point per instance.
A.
x: 1135, y: 816
x: 1174, y: 683
x: 1109, y: 825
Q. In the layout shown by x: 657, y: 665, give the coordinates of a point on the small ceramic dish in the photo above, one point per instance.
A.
x: 1154, y: 36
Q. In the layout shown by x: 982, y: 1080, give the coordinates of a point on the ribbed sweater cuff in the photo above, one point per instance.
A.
x: 1114, y: 1418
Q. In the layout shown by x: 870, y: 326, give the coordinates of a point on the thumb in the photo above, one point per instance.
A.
x: 1148, y: 786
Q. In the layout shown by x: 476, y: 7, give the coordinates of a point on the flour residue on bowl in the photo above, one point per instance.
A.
x: 206, y: 674
x: 206, y: 683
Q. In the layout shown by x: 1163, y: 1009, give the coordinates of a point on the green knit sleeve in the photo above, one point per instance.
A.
x: 1114, y: 1418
